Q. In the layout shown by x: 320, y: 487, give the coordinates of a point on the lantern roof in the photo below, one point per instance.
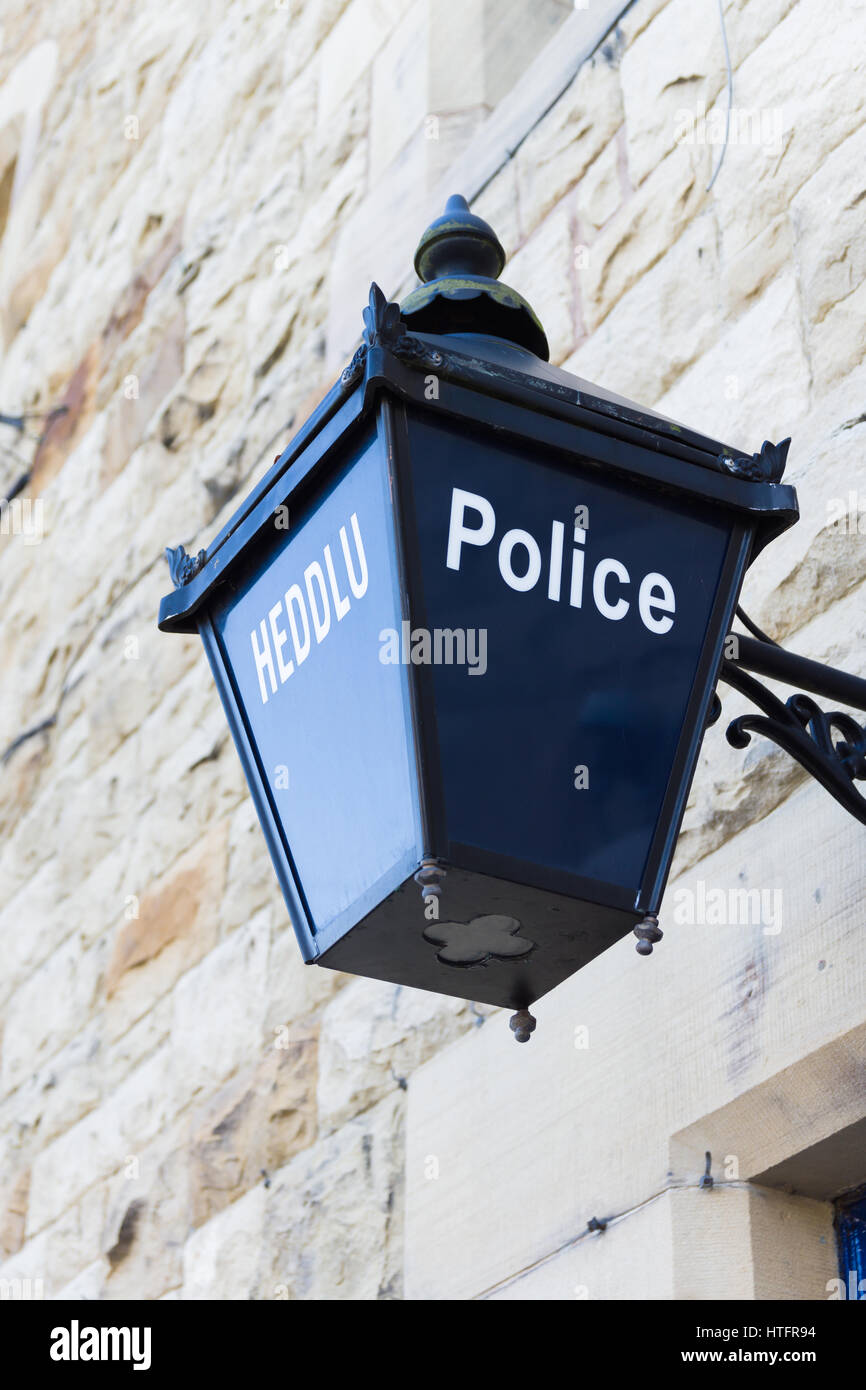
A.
x: 483, y: 338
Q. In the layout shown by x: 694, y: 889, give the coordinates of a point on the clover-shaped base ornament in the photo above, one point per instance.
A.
x: 492, y: 937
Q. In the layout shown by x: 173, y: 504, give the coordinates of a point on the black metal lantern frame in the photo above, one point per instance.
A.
x: 484, y: 379
x: 385, y: 386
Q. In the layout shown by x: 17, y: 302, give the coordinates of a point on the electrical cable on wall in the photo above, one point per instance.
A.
x: 597, y: 1228
x: 730, y: 97
x: 18, y: 423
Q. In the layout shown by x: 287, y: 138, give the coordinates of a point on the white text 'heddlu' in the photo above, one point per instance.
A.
x: 309, y: 611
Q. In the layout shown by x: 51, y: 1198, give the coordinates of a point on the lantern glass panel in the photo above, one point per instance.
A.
x: 329, y: 722
x: 594, y: 595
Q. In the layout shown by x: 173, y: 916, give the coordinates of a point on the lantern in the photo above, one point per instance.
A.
x: 466, y: 632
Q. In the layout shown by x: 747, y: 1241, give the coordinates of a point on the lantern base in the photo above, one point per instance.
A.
x: 486, y: 939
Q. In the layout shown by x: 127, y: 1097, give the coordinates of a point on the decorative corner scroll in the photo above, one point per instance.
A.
x: 382, y: 322
x: 183, y: 567
x: 765, y: 467
x: 384, y: 327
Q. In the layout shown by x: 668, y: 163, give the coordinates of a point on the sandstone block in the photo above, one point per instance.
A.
x: 600, y: 191
x: 180, y: 906
x: 566, y: 141
x: 749, y: 272
x: 333, y: 1215
x: 13, y: 1213
x: 661, y: 325
x: 641, y: 231
x: 220, y: 1259
x: 147, y: 1218
x: 497, y: 204
x: 836, y: 344
x: 219, y: 1008
x: 543, y: 272
x: 676, y: 63
x: 373, y: 1036
x: 401, y: 97
x: 295, y: 990
x: 741, y: 391
x: 352, y: 45
x: 827, y: 218
x: 255, y: 1124
x: 46, y: 1010
x: 796, y: 129
x: 98, y: 1144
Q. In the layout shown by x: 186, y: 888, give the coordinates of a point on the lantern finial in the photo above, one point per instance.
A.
x: 458, y: 244
x: 458, y: 260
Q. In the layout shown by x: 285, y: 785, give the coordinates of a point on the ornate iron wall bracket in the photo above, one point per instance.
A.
x: 830, y: 745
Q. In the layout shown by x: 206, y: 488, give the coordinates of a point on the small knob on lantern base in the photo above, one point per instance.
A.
x: 648, y: 933
x: 429, y: 879
x: 522, y: 1024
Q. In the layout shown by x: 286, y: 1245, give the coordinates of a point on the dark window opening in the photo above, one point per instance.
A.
x: 851, y: 1240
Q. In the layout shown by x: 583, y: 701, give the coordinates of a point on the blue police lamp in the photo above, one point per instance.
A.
x: 467, y: 632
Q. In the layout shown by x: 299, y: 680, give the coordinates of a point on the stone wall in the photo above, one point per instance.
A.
x: 193, y: 200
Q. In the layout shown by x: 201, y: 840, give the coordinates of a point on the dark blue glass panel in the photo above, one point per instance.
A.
x: 329, y: 720
x: 601, y: 683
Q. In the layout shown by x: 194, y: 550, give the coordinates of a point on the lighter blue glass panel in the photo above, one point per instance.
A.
x: 329, y: 719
